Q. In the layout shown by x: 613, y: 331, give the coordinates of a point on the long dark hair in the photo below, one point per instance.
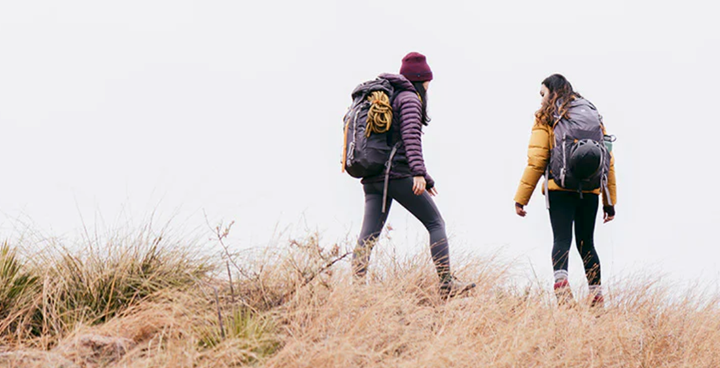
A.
x: 556, y: 105
x: 422, y: 92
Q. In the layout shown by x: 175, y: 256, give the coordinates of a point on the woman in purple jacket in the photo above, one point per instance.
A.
x: 410, y: 185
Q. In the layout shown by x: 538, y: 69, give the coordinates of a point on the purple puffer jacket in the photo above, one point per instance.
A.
x: 406, y: 128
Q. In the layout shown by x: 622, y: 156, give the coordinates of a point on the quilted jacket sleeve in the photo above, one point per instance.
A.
x: 612, y: 186
x: 411, y: 133
x: 538, y: 156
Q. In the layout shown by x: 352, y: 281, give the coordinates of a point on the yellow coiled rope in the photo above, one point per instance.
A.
x: 380, y: 113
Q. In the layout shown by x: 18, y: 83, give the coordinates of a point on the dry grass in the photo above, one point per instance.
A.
x: 146, y: 302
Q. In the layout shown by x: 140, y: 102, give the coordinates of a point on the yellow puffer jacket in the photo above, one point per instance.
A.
x: 541, y: 142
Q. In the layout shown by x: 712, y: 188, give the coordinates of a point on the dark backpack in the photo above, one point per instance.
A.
x: 579, y: 159
x: 368, y: 144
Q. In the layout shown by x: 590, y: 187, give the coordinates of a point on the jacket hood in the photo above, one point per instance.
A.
x: 399, y: 82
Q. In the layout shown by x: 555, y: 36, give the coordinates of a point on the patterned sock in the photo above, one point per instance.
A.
x: 562, y: 288
x: 561, y: 275
x: 598, y: 301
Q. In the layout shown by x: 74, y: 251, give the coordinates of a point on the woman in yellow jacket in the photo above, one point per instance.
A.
x: 566, y: 206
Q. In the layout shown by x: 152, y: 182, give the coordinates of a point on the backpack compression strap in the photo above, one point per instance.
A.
x: 387, y: 175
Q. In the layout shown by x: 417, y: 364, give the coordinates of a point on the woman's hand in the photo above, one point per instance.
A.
x: 433, y: 191
x: 419, y: 185
x: 519, y: 209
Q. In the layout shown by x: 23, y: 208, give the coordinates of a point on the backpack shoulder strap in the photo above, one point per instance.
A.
x: 551, y: 135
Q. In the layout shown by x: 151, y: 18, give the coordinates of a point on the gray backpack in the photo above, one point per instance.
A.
x: 366, y: 153
x: 579, y: 159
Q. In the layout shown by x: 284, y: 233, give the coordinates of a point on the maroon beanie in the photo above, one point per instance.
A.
x: 415, y: 68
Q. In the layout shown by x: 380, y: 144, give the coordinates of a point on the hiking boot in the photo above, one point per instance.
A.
x: 454, y: 287
x: 563, y: 293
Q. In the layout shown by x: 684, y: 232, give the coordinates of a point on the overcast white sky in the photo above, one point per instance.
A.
x: 110, y: 111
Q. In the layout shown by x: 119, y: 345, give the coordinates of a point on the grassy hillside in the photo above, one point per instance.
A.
x: 148, y: 302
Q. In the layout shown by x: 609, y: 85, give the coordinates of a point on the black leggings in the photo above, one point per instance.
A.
x: 566, y: 208
x: 422, y: 207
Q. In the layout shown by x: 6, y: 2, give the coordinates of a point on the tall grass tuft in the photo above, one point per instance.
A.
x: 19, y: 285
x: 251, y: 337
x: 59, y: 289
x: 94, y: 287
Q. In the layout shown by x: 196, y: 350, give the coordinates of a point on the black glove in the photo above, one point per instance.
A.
x: 429, y: 182
x: 610, y: 210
